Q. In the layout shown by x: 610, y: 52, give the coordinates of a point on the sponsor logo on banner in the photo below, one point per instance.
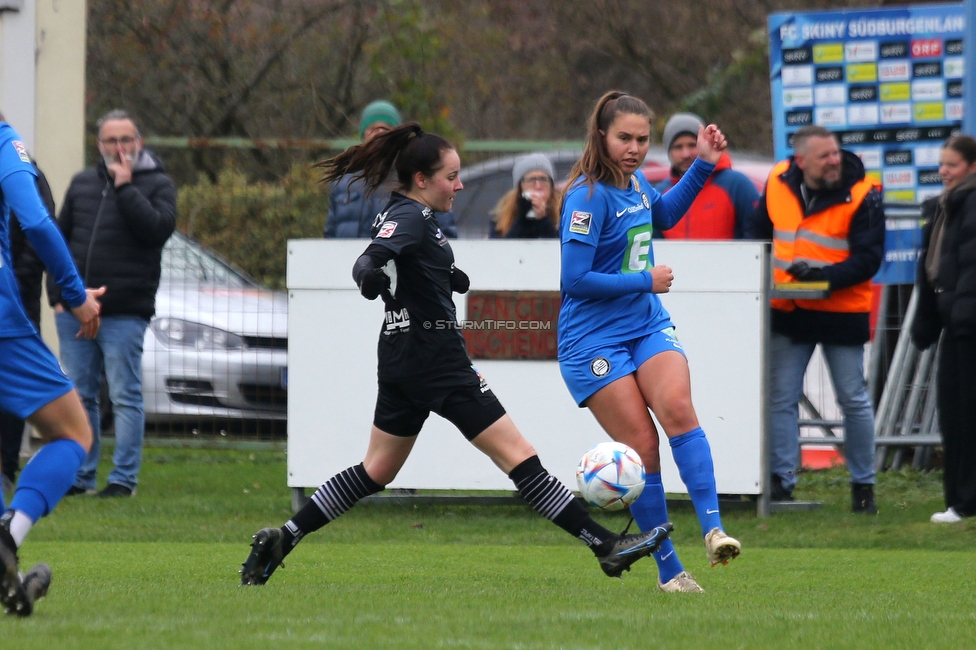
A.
x: 929, y: 177
x: 896, y: 113
x: 797, y: 97
x: 387, y: 229
x: 899, y: 196
x: 930, y: 89
x: 853, y: 137
x: 898, y: 178
x: 929, y: 111
x: 927, y: 156
x: 857, y: 72
x: 894, y: 71
x: 799, y: 118
x: 580, y: 222
x: 954, y: 89
x: 862, y: 114
x: 860, y: 51
x: 831, y: 116
x: 955, y: 66
x: 927, y: 69
x: 954, y: 111
x: 926, y: 193
x: 908, y: 135
x: 830, y: 94
x: 954, y: 46
x: 896, y: 50
x: 833, y: 73
x: 874, y: 175
x: 863, y: 93
x: 926, y: 48
x: 898, y: 157
x: 896, y: 92
x: 828, y: 53
x: 797, y: 75
x: 870, y: 158
x: 797, y: 55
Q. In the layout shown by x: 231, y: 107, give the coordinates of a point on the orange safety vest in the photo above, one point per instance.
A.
x: 819, y: 240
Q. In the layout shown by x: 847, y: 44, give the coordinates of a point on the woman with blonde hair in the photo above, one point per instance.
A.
x: 530, y: 210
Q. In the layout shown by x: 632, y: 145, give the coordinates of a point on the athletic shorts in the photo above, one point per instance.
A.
x: 591, y: 370
x: 30, y: 376
x: 460, y: 396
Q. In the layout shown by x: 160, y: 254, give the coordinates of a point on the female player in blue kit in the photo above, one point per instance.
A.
x: 32, y: 385
x: 617, y: 349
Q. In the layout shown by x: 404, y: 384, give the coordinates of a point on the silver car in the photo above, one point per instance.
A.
x: 217, y: 348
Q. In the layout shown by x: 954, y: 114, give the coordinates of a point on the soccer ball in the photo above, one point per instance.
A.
x: 610, y: 476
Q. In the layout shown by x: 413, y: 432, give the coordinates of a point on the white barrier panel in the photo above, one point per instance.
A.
x: 716, y: 303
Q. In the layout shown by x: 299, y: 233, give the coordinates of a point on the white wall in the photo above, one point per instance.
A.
x: 716, y: 302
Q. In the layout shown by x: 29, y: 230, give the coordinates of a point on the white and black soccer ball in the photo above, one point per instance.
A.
x: 610, y: 476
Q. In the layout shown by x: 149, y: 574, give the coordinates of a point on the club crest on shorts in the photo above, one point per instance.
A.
x: 580, y: 222
x: 600, y: 366
x: 482, y: 383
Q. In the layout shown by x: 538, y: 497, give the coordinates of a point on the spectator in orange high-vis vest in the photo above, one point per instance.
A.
x: 826, y: 221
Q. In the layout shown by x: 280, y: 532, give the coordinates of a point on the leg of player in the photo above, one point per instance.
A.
x: 43, y: 482
x: 665, y: 383
x: 620, y: 409
x: 513, y: 454
x: 384, y: 458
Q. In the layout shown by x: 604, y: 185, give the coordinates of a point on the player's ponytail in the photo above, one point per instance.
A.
x: 407, y: 149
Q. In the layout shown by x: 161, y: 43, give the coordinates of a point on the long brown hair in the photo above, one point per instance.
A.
x: 406, y: 149
x: 963, y: 145
x: 595, y: 163
x: 506, y: 210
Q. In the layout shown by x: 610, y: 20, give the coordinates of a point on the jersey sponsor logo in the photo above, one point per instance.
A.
x: 645, y: 201
x: 621, y: 213
x: 21, y: 150
x: 579, y: 222
x: 644, y: 205
x: 600, y: 366
x: 427, y: 213
x: 397, y: 320
x: 440, y: 237
x: 638, y: 249
x: 386, y: 229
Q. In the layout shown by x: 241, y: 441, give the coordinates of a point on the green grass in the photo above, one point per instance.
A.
x: 160, y: 571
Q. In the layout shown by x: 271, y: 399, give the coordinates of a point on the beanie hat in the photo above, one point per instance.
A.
x: 524, y: 164
x: 378, y: 111
x: 678, y: 124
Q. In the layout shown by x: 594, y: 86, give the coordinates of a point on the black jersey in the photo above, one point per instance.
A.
x: 419, y: 336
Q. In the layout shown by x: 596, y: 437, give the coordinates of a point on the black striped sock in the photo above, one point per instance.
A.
x: 553, y: 501
x: 332, y: 499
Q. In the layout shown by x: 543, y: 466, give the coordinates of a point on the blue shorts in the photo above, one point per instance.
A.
x: 30, y: 376
x: 591, y: 370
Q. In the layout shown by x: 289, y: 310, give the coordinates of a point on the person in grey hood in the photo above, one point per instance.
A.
x: 116, y: 217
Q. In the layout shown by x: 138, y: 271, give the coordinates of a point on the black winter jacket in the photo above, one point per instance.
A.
x: 116, y: 234
x: 952, y: 302
x: 866, y: 240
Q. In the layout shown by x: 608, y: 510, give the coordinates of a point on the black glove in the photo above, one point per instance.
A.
x: 373, y: 284
x: 806, y: 273
x: 460, y: 282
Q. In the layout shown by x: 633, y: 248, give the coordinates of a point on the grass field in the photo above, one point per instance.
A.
x: 160, y: 571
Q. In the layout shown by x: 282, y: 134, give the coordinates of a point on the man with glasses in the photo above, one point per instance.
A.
x: 116, y: 217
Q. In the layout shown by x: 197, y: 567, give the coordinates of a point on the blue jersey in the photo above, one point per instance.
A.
x: 19, y: 190
x: 616, y: 225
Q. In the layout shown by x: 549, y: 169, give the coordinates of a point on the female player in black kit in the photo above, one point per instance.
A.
x: 424, y: 369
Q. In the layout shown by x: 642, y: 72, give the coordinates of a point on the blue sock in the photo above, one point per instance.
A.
x: 47, y: 477
x: 693, y: 457
x: 650, y: 510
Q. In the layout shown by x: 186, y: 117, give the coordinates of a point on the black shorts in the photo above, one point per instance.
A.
x: 460, y: 396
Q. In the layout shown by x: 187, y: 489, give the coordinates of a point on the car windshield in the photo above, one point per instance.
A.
x: 186, y: 261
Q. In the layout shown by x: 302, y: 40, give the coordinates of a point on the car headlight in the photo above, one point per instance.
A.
x: 187, y: 334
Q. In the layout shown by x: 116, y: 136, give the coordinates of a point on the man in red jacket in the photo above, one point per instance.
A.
x: 726, y: 200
